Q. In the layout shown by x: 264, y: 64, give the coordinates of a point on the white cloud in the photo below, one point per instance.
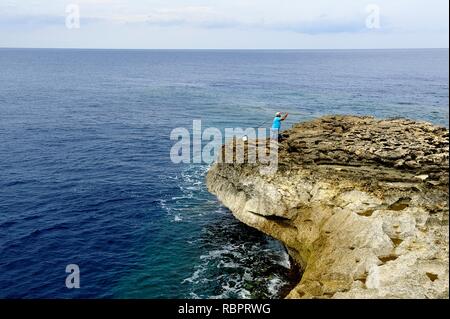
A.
x: 321, y: 21
x: 199, y: 16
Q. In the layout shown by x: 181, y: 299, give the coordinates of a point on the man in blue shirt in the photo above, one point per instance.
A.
x: 276, y: 126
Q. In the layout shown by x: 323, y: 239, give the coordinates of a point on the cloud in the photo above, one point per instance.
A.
x: 191, y: 16
x: 39, y: 21
x: 323, y: 26
x: 208, y: 18
x: 235, y: 23
x: 29, y: 20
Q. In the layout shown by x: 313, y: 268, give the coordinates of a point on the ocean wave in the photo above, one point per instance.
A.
x: 238, y: 262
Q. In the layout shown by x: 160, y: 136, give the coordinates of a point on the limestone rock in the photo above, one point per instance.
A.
x: 361, y: 204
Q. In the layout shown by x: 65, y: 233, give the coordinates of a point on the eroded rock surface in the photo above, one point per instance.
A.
x: 361, y: 204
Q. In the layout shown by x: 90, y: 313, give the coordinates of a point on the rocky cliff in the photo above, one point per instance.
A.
x: 361, y: 205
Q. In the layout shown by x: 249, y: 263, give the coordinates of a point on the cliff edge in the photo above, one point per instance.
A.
x: 361, y: 205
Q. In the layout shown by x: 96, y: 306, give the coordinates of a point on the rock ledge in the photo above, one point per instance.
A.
x: 361, y: 205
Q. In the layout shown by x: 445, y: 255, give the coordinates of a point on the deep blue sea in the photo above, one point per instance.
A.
x: 86, y: 178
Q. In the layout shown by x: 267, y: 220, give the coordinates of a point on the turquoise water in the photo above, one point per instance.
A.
x: 87, y: 178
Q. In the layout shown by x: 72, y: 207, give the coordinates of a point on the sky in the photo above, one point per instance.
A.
x: 224, y: 24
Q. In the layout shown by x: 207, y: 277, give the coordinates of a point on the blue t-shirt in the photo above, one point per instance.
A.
x: 276, y: 123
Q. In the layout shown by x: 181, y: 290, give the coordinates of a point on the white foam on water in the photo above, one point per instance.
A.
x: 193, y: 295
x: 285, y: 260
x: 195, y: 276
x: 233, y: 289
x: 190, y: 183
x: 226, y: 268
x: 223, y: 264
x: 274, y: 285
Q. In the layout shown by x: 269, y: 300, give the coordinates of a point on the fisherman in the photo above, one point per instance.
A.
x: 276, y: 126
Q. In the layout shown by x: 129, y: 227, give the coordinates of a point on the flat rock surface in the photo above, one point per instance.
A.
x: 361, y: 204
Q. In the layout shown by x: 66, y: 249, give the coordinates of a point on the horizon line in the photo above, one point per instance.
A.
x: 220, y: 49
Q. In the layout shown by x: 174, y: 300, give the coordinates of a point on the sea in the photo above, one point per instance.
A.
x: 86, y: 176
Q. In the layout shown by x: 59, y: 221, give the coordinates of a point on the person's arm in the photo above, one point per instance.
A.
x: 285, y: 116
